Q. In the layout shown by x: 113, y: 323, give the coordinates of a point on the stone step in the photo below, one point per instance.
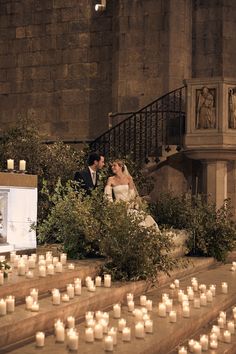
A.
x: 226, y: 348
x: 22, y: 324
x: 20, y: 286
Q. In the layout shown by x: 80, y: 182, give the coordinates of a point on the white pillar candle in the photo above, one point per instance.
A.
x: 146, y: 317
x: 90, y: 323
x: 227, y: 336
x: 107, y: 280
x: 172, y: 286
x: 104, y: 324
x: 196, y: 303
x: 231, y: 327
x: 130, y: 297
x: 29, y: 274
x: 92, y: 287
x: 56, y: 297
x: 176, y: 282
x: 34, y: 294
x: 191, y: 343
x: 10, y: 302
x: 88, y: 280
x: 73, y: 341
x: 98, y: 281
x: 55, y: 260
x: 49, y: 261
x: 197, y: 348
x: 70, y: 322
x: 172, y: 316
x: 148, y: 326
x: 12, y: 256
x: 117, y: 310
x: 138, y: 315
x: 209, y: 296
x: 224, y: 287
x: 180, y: 295
x: 204, y: 342
x: 106, y: 316
x: 31, y: 263
x: 29, y: 302
x: 162, y: 309
x: 203, y: 299
x: 143, y: 300
x: 71, y: 266
x: 78, y: 289
x: 1, y: 278
x: 190, y: 294
x: 169, y: 304
x: 77, y: 281
x: 60, y: 333
x: 182, y: 350
x: 21, y: 267
x: 63, y: 258
x: 121, y: 324
x: 42, y: 271
x: 22, y: 165
x: 216, y: 330
x: 89, y: 315
x: 223, y: 315
x: 130, y: 305
x: 221, y: 322
x: 50, y: 269
x: 139, y: 330
x: 58, y: 267
x: 149, y: 305
x: 108, y: 344
x: 99, y: 315
x: 195, y: 286
x: 10, y: 164
x: 3, y: 307
x: 213, y: 289
x: 113, y: 333
x: 40, y: 339
x: 40, y: 257
x: 213, y: 344
x: 213, y: 336
x: 65, y: 298
x: 98, y: 331
x: 70, y: 291
x: 35, y: 307
x: 89, y: 335
x: 186, y: 311
x: 126, y: 334
x: 203, y: 288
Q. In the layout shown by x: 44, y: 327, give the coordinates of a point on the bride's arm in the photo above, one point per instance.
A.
x: 108, y: 190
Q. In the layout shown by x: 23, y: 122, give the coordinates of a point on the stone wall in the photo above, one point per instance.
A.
x: 55, y: 65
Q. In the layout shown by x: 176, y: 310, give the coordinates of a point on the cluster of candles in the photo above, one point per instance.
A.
x: 211, y: 341
x: 97, y: 326
x: 233, y: 267
x: 47, y: 265
x: 22, y: 165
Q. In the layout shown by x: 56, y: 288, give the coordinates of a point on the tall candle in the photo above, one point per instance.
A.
x: 98, y: 281
x: 35, y: 307
x: 21, y: 268
x: 148, y: 326
x: 213, y: 344
x: 209, y: 296
x: 3, y: 307
x: 182, y: 350
x: 216, y: 330
x: 176, y: 282
x: 168, y: 304
x: 121, y: 324
x: 34, y: 294
x: 63, y: 258
x: 130, y: 305
x: 149, y: 305
x: 139, y: 330
x: 42, y: 271
x: 162, y: 309
x: 40, y: 339
x: 89, y: 335
x: 186, y: 311
x: 213, y: 289
x: 70, y: 322
x: 126, y: 334
x: 58, y: 267
x: 197, y: 348
x: 22, y: 165
x: 104, y: 324
x: 108, y: 344
x: 172, y: 316
x: 113, y: 333
x: 227, y: 336
x: 98, y: 331
x: 70, y: 291
x: 130, y: 297
x: 10, y: 302
x: 203, y: 299
x: 231, y: 327
x: 117, y: 310
x: 1, y: 278
x: 221, y: 322
x: 29, y: 302
x: 107, y: 280
x: 143, y: 300
x: 224, y: 287
x: 191, y: 343
x: 73, y: 341
x: 60, y: 333
x: 78, y: 289
x: 204, y: 342
x: 10, y: 164
x: 50, y: 269
x: 196, y: 303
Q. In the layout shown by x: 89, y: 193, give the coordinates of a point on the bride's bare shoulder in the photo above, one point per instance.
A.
x: 110, y: 181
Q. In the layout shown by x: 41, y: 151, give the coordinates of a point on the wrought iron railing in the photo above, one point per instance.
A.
x: 143, y: 133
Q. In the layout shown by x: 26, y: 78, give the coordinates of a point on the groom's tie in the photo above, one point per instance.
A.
x: 94, y: 178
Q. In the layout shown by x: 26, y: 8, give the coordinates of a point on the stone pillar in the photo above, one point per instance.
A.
x: 231, y: 185
x: 215, y: 181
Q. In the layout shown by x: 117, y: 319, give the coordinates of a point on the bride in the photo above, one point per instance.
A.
x: 121, y: 187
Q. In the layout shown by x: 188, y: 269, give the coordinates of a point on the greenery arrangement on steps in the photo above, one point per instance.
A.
x: 212, y: 232
x: 92, y: 226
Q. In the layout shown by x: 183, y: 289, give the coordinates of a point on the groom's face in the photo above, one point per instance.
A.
x: 101, y: 163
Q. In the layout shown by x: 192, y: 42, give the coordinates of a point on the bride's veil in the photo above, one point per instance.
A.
x: 126, y: 172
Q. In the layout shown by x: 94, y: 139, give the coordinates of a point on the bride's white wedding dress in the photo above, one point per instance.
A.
x: 123, y: 192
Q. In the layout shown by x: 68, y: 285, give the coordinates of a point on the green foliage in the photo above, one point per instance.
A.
x: 4, y: 267
x: 212, y: 232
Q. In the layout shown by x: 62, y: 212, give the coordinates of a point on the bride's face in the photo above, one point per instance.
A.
x: 116, y: 168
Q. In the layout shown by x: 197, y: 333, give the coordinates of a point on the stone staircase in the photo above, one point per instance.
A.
x: 17, y: 329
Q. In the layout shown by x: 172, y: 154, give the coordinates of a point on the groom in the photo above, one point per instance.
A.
x: 88, y: 178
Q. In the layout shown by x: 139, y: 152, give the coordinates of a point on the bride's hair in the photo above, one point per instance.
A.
x: 120, y: 163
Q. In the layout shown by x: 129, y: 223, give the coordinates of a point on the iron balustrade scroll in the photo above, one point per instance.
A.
x: 143, y: 133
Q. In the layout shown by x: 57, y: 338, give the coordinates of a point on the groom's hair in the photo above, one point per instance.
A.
x: 94, y: 156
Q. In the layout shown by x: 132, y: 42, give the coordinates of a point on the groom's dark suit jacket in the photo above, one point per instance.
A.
x: 85, y: 180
